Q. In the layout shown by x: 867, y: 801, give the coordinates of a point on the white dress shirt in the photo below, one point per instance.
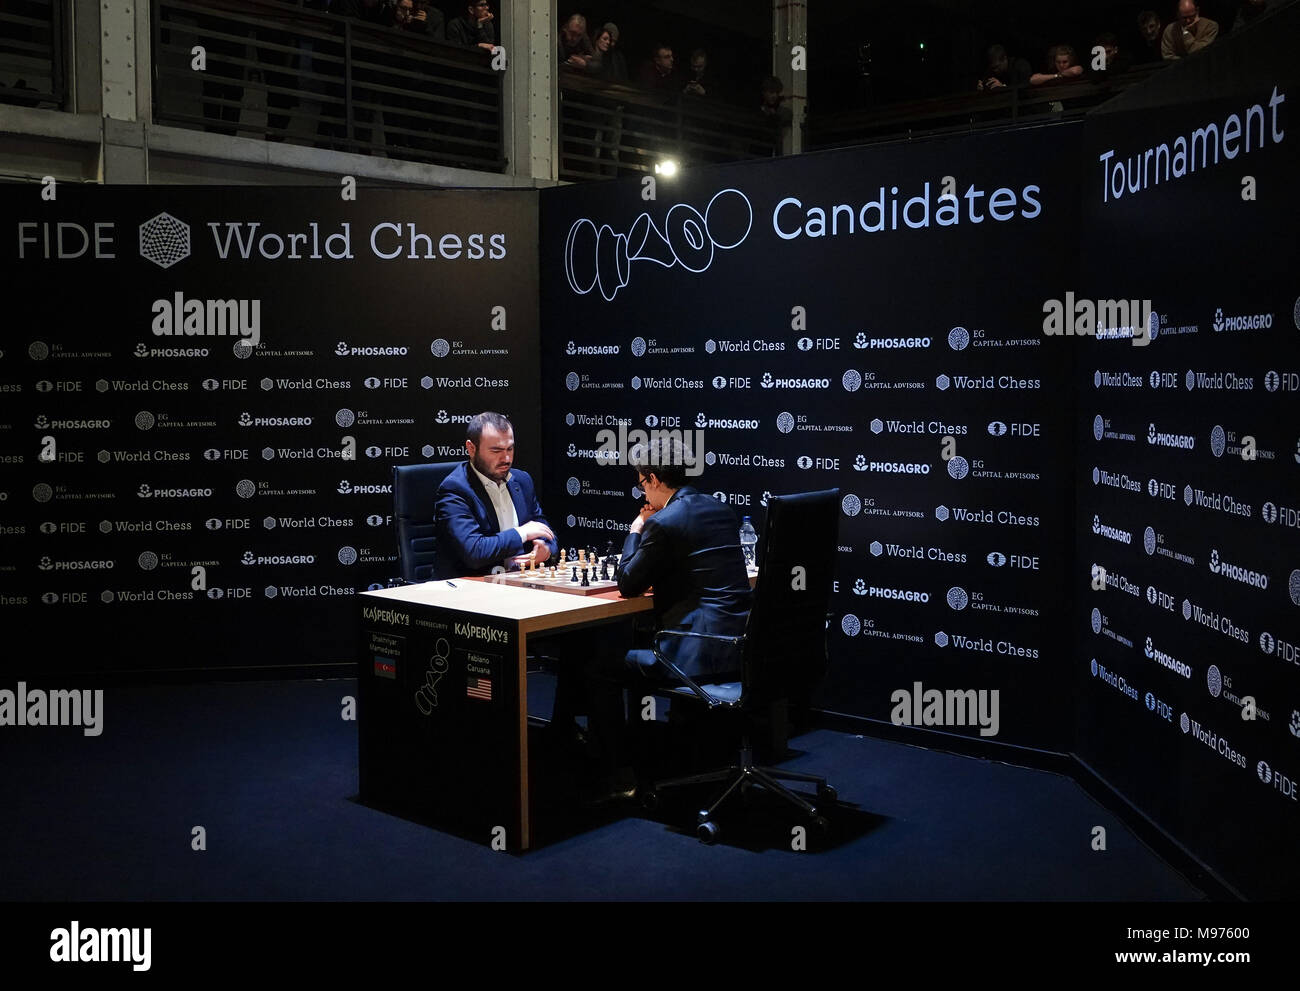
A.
x: 499, y: 493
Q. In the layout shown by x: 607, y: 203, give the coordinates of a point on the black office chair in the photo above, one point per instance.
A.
x: 782, y: 651
x: 415, y: 491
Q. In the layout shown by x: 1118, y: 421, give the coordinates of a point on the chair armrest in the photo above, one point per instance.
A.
x: 703, y: 696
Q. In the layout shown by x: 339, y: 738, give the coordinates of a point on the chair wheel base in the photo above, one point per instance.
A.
x: 708, y: 831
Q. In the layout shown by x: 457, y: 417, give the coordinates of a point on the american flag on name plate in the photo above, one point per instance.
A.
x: 479, y: 688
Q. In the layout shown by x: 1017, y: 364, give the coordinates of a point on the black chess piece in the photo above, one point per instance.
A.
x: 586, y: 583
x: 575, y: 574
x: 604, y: 569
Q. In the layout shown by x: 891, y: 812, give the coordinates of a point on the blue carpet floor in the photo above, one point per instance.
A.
x: 269, y: 770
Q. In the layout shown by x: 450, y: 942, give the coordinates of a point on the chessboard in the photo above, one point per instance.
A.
x: 560, y: 583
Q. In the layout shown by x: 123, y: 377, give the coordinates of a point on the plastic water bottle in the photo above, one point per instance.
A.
x: 748, y: 541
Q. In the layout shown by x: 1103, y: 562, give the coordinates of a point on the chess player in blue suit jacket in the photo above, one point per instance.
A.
x: 686, y: 545
x: 487, y: 512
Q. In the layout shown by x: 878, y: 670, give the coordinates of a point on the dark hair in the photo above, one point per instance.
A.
x: 1148, y: 15
x: 662, y: 457
x: 660, y: 47
x: 474, y: 429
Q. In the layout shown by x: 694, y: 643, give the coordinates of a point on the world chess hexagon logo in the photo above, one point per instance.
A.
x: 1293, y: 586
x: 710, y: 346
x: 959, y: 338
x: 1217, y: 441
x: 1187, y: 608
x: 345, y: 418
x: 347, y: 555
x: 1187, y: 495
x: 268, y: 453
x: 106, y: 596
x: 1214, y: 680
x: 1096, y: 379
x: 958, y: 467
x: 569, y: 419
x: 784, y: 422
x: 571, y: 521
x: 1094, y: 667
x: 851, y: 625
x: 941, y: 639
x: 941, y: 513
x: 942, y: 382
x: 957, y: 598
x: 710, y: 458
x: 267, y: 384
x: 1264, y: 771
x: 164, y: 240
x: 426, y: 382
x: 877, y: 548
x: 851, y: 505
x: 147, y: 560
x: 1189, y: 380
x: 636, y: 382
x: 101, y: 385
x: 104, y: 526
x: 1096, y: 620
x: 1096, y: 476
x: 638, y: 346
x: 270, y: 591
x: 877, y: 425
x: 572, y: 486
x: 268, y: 522
x: 1184, y: 723
x: 427, y: 451
x: 1098, y: 426
x: 851, y: 380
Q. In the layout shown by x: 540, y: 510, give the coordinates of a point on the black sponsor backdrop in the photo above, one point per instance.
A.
x: 108, y: 549
x: 937, y: 330
x: 1162, y: 688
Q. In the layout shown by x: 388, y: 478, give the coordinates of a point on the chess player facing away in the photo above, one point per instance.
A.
x: 686, y: 545
x: 487, y: 512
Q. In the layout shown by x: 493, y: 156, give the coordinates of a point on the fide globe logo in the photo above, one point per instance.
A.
x: 1098, y: 426
x: 805, y: 343
x: 1271, y: 381
x: 1264, y: 771
x: 997, y: 428
x: 1268, y: 512
x: 958, y: 338
x: 1266, y: 642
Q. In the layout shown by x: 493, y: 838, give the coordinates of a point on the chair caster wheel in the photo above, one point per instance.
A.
x: 827, y: 795
x: 708, y: 832
x: 702, y: 816
x: 650, y: 799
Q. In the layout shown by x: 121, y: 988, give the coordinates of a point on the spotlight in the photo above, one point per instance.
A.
x: 667, y: 168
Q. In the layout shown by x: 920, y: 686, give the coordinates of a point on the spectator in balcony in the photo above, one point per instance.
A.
x: 771, y: 103
x: 700, y: 83
x: 1062, y: 67
x: 1149, y: 31
x: 607, y: 62
x: 475, y: 29
x: 426, y: 20
x: 1189, y: 34
x: 1115, y: 62
x: 657, y: 74
x: 1003, y: 72
x: 575, y: 48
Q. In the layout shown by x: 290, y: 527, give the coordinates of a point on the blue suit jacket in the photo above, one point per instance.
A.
x: 690, y: 552
x: 470, y: 539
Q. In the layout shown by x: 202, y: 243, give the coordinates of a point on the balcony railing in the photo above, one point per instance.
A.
x: 304, y: 77
x: 969, y: 111
x: 32, y: 53
x: 608, y: 130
